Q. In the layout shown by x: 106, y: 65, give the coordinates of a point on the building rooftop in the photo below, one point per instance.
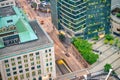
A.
x: 14, y: 17
x: 18, y: 35
x: 7, y: 11
x: 42, y: 42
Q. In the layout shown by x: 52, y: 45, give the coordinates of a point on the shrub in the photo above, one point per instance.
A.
x: 118, y: 15
x: 109, y: 37
x: 105, y: 41
x: 111, y: 42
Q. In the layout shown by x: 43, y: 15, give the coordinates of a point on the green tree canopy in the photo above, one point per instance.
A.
x: 109, y: 37
x: 107, y: 67
x: 85, y: 49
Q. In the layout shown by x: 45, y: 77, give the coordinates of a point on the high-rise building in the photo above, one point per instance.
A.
x: 84, y: 18
x: 26, y: 51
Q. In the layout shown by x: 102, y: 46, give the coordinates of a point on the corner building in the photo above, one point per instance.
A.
x: 26, y: 50
x: 84, y: 18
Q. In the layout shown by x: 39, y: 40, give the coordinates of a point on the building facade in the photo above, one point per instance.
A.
x: 26, y: 51
x: 84, y: 18
x: 4, y: 3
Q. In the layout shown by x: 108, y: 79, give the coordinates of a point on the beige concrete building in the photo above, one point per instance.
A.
x: 26, y: 50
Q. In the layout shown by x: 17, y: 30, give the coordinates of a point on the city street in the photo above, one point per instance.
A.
x: 60, y: 49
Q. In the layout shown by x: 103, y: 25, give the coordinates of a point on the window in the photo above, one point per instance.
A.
x: 7, y: 3
x: 9, y: 21
x: 50, y: 63
x: 7, y: 70
x: 39, y: 71
x: 51, y: 69
x: 33, y: 73
x: 19, y: 62
x: 32, y: 68
x: 50, y: 54
x: 25, y: 60
x: 34, y: 78
x: 47, y: 69
x: 12, y: 59
x: 21, y: 71
x: 27, y: 75
x: 32, y: 63
x: 27, y: 69
x: 37, y: 57
x: 8, y: 74
x: 9, y: 78
x: 21, y: 76
x: 2, y: 4
x: 15, y: 73
x: 49, y: 50
x: 31, y: 55
x: 38, y: 66
x: 15, y: 77
x: 50, y: 59
x: 46, y: 64
x: 25, y: 56
x: 45, y: 51
x: 26, y: 65
x: 14, y: 68
x: 6, y: 65
x: 18, y: 58
x: 46, y: 55
x: 31, y: 59
x: 11, y: 2
x: 13, y: 64
x: 38, y: 62
x: 5, y: 61
x: 37, y: 53
x: 46, y: 60
x: 20, y: 66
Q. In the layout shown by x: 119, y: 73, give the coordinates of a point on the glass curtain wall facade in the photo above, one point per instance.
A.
x: 98, y: 18
x: 84, y: 18
x: 72, y: 15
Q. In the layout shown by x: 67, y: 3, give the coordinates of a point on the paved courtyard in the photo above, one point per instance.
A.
x: 109, y: 54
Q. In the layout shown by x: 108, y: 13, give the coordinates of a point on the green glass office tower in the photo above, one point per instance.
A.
x: 98, y: 18
x: 84, y: 18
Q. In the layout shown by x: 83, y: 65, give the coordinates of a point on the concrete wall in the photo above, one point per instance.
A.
x: 115, y: 3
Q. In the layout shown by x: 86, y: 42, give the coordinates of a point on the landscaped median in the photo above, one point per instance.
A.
x: 85, y: 50
x: 109, y: 39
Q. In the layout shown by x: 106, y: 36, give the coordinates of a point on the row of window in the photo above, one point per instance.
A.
x: 22, y: 76
x: 30, y: 55
x: 5, y: 4
x: 26, y: 66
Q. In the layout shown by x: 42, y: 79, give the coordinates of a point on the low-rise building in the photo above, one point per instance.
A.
x: 26, y: 50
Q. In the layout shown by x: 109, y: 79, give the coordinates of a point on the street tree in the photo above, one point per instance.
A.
x: 107, y: 67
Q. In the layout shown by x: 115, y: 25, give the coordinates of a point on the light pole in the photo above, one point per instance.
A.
x: 110, y: 70
x: 85, y: 77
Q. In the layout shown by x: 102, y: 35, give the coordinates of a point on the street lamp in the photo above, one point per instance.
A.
x: 110, y: 70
